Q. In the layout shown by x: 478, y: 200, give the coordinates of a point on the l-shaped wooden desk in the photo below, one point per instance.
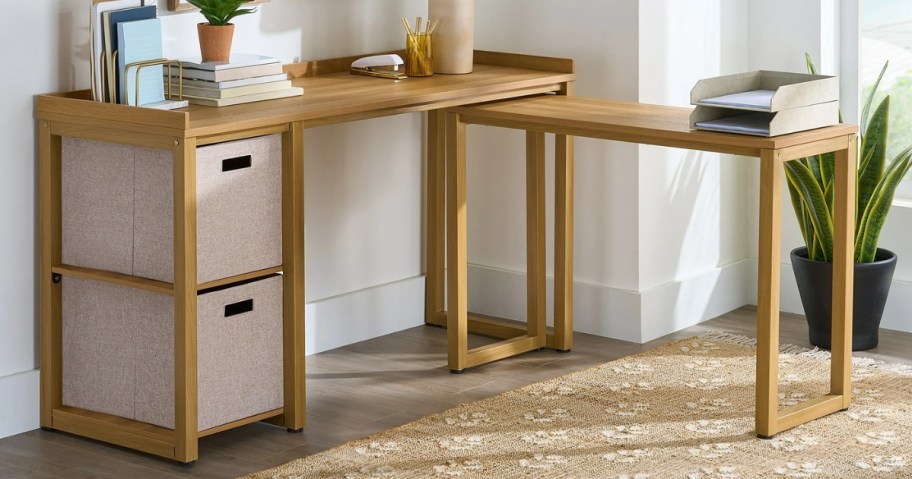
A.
x: 669, y: 126
x: 331, y: 95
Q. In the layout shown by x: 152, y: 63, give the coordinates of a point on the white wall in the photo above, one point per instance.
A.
x: 44, y: 66
x: 691, y: 211
x: 657, y: 231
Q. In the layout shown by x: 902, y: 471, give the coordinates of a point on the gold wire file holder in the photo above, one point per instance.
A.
x: 174, y: 85
x: 169, y: 91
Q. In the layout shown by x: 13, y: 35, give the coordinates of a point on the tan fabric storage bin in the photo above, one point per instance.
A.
x: 118, y: 351
x: 238, y: 211
x: 96, y: 191
x: 100, y: 339
x: 118, y: 208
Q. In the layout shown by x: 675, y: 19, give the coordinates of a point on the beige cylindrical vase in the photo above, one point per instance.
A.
x: 454, y: 37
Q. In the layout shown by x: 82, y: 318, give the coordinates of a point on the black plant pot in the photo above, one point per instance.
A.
x: 872, y: 284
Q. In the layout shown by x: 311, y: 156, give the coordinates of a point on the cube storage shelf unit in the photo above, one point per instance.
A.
x: 164, y: 314
x: 171, y: 247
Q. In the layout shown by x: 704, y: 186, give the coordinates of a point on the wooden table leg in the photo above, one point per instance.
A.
x: 293, y: 417
x: 563, y: 244
x: 770, y: 420
x: 768, y: 294
x: 185, y: 326
x: 457, y: 304
x: 49, y: 254
x: 435, y: 236
x: 843, y: 272
x: 536, y: 284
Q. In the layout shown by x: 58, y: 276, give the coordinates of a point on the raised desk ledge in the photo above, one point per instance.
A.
x: 70, y: 106
x: 329, y: 66
x: 331, y: 95
x: 633, y: 122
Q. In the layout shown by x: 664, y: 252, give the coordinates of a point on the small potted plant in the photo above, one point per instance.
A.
x: 810, y: 184
x: 215, y: 35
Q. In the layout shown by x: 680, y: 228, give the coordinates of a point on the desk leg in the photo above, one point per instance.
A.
x: 843, y: 273
x: 768, y: 294
x: 185, y: 348
x: 563, y: 243
x: 435, y: 215
x: 770, y: 420
x: 49, y: 247
x: 293, y: 276
x: 457, y: 303
x: 536, y: 284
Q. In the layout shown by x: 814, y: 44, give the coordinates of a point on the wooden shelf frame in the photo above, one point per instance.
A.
x: 331, y: 95
x: 669, y: 126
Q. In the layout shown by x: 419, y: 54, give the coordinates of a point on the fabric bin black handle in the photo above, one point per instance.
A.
x: 240, y: 307
x: 236, y: 163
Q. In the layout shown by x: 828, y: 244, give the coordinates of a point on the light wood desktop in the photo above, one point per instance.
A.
x: 665, y: 126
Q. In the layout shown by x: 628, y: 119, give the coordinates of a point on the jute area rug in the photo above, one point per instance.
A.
x: 685, y: 410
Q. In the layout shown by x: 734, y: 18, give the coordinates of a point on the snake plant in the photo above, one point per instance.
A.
x: 810, y: 184
x: 220, y: 12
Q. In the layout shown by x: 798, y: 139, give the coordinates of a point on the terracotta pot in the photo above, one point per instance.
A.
x: 215, y: 41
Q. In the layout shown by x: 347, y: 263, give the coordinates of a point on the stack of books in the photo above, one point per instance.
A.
x: 244, y: 78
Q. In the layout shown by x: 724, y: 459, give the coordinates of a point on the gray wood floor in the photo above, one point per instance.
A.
x: 364, y: 388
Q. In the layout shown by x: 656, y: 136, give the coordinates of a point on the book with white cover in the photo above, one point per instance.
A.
x: 166, y: 104
x: 235, y: 73
x: 234, y: 61
x: 192, y: 91
x: 230, y: 83
x: 269, y: 95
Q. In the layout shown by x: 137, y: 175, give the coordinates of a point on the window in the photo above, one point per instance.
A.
x: 886, y: 35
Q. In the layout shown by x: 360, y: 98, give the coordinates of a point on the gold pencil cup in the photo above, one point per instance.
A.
x: 418, y: 61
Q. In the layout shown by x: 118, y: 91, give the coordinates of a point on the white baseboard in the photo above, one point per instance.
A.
x: 616, y: 313
x: 684, y: 303
x: 365, y: 314
x: 19, y: 403
x: 899, y: 304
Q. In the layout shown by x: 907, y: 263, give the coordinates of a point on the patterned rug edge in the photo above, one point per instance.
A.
x: 715, y: 336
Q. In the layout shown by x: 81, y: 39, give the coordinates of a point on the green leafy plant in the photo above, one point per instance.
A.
x: 221, y: 12
x: 810, y: 185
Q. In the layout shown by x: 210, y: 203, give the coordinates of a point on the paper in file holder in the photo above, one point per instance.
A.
x: 765, y: 103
